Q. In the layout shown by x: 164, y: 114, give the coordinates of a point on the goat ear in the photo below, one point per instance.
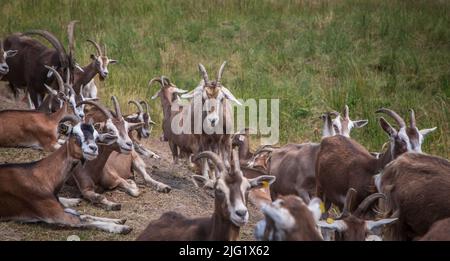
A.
x: 11, y: 53
x: 133, y: 126
x: 156, y: 94
x: 360, y: 123
x: 372, y: 225
x: 199, y: 181
x: 261, y: 181
x: 106, y: 139
x: 387, y: 127
x: 336, y: 225
x: 230, y: 96
x: 112, y: 61
x: 314, y: 207
x: 425, y: 132
x: 64, y: 129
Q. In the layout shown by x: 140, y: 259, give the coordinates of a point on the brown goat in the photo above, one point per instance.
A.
x: 27, y: 68
x: 417, y: 187
x: 22, y: 128
x: 351, y: 225
x: 27, y: 190
x: 230, y: 211
x: 289, y: 219
x: 90, y: 177
x: 342, y: 163
x: 439, y: 231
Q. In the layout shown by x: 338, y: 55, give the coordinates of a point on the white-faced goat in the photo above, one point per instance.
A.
x: 22, y: 128
x: 27, y: 70
x: 417, y: 187
x: 342, y: 163
x: 351, y: 225
x: 289, y: 219
x: 92, y: 177
x: 27, y: 190
x: 230, y: 211
x: 85, y: 77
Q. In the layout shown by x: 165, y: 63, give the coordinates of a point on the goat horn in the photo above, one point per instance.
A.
x: 213, y: 157
x: 413, y: 119
x: 72, y: 118
x: 105, y: 111
x: 156, y: 79
x: 99, y: 50
x: 219, y: 74
x: 145, y: 104
x: 346, y: 211
x: 394, y: 115
x: 367, y: 202
x: 59, y: 79
x: 334, y: 113
x: 137, y: 105
x: 166, y: 79
x: 203, y: 73
x: 1, y: 45
x: 346, y: 114
x: 70, y: 32
x: 116, y: 107
x: 236, y: 165
x: 104, y: 49
x: 56, y: 44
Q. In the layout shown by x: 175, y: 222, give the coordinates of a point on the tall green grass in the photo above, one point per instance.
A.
x: 312, y: 55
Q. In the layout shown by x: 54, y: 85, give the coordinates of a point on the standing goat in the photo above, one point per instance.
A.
x: 418, y: 188
x: 4, y: 68
x: 27, y: 68
x: 230, y: 211
x: 19, y: 128
x: 27, y: 190
x: 211, y: 100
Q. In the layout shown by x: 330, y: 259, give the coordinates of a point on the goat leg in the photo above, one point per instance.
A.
x: 138, y: 165
x: 69, y: 202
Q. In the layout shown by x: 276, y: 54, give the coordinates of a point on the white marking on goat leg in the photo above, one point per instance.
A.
x: 69, y: 202
x: 56, y: 146
x: 108, y: 227
x: 138, y: 165
x: 118, y: 221
x: 129, y: 187
x: 61, y: 141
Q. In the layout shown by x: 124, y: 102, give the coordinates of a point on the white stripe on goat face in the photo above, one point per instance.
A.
x: 234, y: 194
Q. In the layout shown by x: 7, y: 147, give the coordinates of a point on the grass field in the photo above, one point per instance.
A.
x: 312, y: 55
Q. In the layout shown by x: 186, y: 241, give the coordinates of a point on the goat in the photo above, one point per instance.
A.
x: 144, y: 131
x: 417, y: 187
x: 342, y: 163
x: 91, y: 177
x: 439, y: 231
x: 4, y: 68
x: 215, y: 134
x: 99, y: 65
x: 179, y: 143
x: 289, y: 219
x: 27, y: 190
x: 27, y: 68
x: 230, y: 211
x: 351, y: 226
x: 343, y: 125
x: 33, y: 128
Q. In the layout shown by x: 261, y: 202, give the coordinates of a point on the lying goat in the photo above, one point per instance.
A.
x: 230, y: 211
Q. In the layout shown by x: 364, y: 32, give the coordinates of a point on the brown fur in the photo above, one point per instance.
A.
x: 439, y: 231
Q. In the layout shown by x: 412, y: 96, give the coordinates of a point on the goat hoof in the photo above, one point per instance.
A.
x: 125, y: 230
x: 122, y: 221
x: 164, y: 189
x: 114, y: 207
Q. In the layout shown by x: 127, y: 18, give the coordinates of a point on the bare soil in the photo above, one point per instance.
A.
x: 184, y: 197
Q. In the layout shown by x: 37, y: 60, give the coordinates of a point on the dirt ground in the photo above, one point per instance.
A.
x: 185, y: 197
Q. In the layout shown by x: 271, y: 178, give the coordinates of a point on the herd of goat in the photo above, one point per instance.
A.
x: 400, y: 193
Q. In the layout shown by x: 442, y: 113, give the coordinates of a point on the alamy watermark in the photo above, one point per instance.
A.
x: 222, y: 116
